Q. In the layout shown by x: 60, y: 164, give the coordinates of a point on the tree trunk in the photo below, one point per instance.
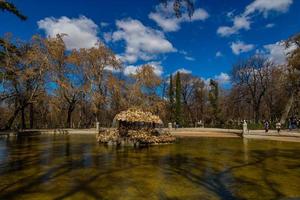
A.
x: 31, y: 115
x: 256, y: 112
x: 287, y: 109
x: 12, y: 119
x: 69, y: 116
x: 23, y: 123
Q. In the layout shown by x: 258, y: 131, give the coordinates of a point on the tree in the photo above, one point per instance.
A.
x: 293, y: 68
x: 198, y: 100
x: 23, y: 70
x: 10, y: 7
x: 96, y: 63
x: 213, y: 97
x: 189, y: 85
x: 171, y: 99
x: 68, y: 79
x: 143, y: 92
x: 178, y: 114
x: 250, y: 77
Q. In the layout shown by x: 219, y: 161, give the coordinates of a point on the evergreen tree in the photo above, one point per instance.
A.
x: 213, y: 97
x: 171, y: 99
x: 178, y: 114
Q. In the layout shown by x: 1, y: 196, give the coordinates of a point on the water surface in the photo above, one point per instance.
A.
x: 76, y: 167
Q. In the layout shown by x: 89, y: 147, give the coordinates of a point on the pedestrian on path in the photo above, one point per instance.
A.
x: 290, y: 124
x: 267, y: 125
x: 278, y: 126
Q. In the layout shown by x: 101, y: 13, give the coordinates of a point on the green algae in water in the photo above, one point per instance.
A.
x: 76, y: 167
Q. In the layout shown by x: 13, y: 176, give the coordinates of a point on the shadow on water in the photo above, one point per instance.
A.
x: 219, y: 182
x: 76, y: 167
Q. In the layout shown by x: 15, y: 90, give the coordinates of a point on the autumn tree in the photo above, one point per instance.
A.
x: 97, y: 64
x: 144, y: 90
x: 68, y: 78
x: 293, y: 71
x: 23, y: 70
x: 116, y: 92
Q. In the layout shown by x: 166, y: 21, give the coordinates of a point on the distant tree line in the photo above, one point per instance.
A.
x: 43, y: 85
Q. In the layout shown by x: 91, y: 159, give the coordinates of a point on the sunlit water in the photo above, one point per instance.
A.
x: 76, y: 167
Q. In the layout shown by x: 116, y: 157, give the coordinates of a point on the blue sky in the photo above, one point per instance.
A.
x: 219, y: 33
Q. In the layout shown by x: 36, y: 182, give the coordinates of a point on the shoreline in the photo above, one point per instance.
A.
x: 284, y: 135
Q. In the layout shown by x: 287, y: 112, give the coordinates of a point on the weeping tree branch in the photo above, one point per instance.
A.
x: 179, y: 6
x: 7, y: 6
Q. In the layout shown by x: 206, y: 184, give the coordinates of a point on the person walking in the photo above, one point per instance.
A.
x: 267, y: 125
x: 278, y: 126
x: 290, y: 124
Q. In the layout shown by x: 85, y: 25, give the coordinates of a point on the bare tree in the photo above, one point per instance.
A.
x: 251, y: 78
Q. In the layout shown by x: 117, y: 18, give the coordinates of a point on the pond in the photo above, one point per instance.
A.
x: 76, y: 167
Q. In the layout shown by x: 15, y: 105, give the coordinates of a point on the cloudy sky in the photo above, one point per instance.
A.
x: 218, y: 34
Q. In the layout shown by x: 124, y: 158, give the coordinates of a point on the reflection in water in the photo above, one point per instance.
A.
x: 76, y: 167
x: 245, y: 144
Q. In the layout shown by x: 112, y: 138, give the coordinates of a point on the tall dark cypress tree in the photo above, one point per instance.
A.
x: 213, y: 97
x: 178, y: 114
x: 171, y: 99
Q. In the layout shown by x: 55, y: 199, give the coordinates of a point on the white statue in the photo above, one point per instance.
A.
x: 245, y: 127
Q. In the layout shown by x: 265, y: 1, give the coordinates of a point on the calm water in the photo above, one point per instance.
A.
x: 76, y: 167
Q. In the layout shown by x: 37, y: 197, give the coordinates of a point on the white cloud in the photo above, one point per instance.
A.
x: 107, y: 36
x: 277, y: 52
x: 265, y: 6
x: 165, y: 18
x: 186, y: 56
x: 219, y: 54
x: 240, y: 47
x: 239, y: 23
x: 132, y: 69
x: 80, y: 32
x: 271, y: 25
x: 242, y: 21
x: 199, y: 14
x: 167, y: 24
x: 141, y: 42
x: 183, y: 71
x: 230, y: 14
x: 189, y: 58
x: 183, y: 52
x: 111, y: 68
x: 104, y: 24
x: 222, y: 78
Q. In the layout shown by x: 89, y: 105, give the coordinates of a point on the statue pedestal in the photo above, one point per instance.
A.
x: 97, y: 127
x: 170, y: 126
x: 245, y: 127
